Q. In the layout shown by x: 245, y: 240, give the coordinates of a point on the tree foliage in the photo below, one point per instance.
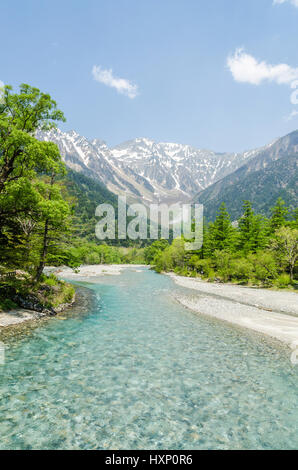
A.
x: 32, y: 210
x: 256, y: 250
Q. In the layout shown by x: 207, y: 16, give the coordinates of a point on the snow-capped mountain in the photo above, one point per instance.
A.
x: 175, y: 167
x: 267, y: 175
x: 144, y: 170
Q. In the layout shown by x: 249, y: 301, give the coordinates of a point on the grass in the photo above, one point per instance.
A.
x: 50, y: 292
x: 6, y: 305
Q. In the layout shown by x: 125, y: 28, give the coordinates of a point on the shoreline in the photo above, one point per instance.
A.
x: 93, y: 271
x: 19, y: 316
x: 271, y: 313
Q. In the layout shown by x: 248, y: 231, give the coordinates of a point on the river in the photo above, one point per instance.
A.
x: 138, y: 371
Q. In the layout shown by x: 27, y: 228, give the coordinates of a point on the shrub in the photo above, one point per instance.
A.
x: 223, y: 264
x: 211, y: 275
x: 6, y: 305
x: 92, y: 258
x: 68, y: 294
x: 283, y: 281
x: 194, y: 262
x: 203, y: 267
x: 182, y: 271
x: 265, y: 267
x: 193, y: 274
x: 241, y: 269
x: 51, y: 280
x: 157, y: 247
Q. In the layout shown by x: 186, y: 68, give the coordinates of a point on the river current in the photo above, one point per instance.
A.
x: 136, y: 370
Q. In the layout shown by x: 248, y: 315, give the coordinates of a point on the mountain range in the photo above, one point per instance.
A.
x: 150, y: 172
x: 270, y: 174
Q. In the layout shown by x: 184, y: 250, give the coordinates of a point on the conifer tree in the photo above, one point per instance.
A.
x: 221, y: 232
x: 279, y: 214
x: 252, y: 231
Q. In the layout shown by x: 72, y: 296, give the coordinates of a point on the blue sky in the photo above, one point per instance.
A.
x: 199, y: 72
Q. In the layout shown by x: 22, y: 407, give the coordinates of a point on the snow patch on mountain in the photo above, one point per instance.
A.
x: 146, y: 170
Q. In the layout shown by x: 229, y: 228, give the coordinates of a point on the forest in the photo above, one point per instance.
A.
x: 42, y: 224
x: 254, y: 250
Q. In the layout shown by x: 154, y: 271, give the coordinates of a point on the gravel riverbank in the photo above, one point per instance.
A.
x: 273, y: 313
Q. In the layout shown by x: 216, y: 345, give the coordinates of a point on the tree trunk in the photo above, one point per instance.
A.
x: 44, y: 252
x: 292, y: 272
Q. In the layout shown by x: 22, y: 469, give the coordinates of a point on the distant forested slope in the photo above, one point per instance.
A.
x: 263, y: 187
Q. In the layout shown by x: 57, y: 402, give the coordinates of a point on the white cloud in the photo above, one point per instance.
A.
x: 123, y: 86
x: 247, y: 69
x: 293, y: 2
x: 292, y: 115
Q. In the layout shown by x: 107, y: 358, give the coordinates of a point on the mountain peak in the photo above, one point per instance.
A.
x: 145, y: 170
x: 72, y: 133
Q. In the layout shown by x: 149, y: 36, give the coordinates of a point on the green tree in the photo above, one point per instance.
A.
x: 294, y: 222
x: 21, y: 115
x: 24, y: 202
x: 265, y: 267
x: 279, y: 214
x: 221, y: 232
x: 22, y: 156
x: 252, y: 230
x: 54, y: 217
x: 285, y: 244
x: 206, y: 250
x: 171, y: 258
x: 157, y: 247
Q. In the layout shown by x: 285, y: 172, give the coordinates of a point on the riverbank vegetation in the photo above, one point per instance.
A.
x: 255, y: 250
x: 47, y: 217
x: 88, y: 252
x: 18, y: 289
x: 34, y: 214
x: 41, y: 221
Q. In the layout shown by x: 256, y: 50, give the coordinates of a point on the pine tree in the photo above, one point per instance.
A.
x: 252, y: 230
x: 279, y: 214
x: 221, y: 232
x: 206, y: 250
x: 294, y: 221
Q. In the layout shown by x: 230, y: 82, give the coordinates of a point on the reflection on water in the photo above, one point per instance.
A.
x: 135, y: 370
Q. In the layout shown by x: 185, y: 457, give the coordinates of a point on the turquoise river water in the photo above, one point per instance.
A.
x: 135, y: 370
